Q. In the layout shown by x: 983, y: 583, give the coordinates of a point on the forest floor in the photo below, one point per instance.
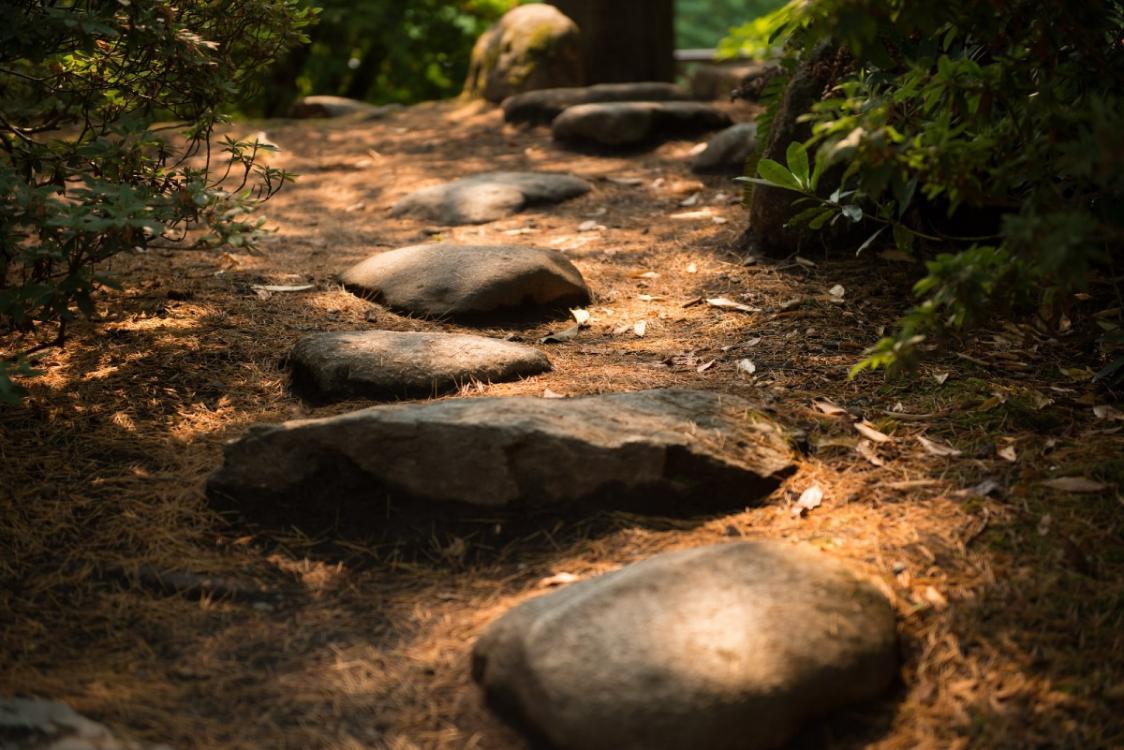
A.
x: 1009, y: 592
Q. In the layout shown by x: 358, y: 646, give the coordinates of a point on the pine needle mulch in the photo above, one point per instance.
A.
x: 124, y: 595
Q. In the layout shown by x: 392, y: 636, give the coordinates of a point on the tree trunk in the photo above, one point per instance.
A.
x: 625, y: 40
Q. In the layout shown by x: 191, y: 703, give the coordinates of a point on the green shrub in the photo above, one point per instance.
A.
x: 84, y: 175
x: 984, y: 134
x: 381, y: 51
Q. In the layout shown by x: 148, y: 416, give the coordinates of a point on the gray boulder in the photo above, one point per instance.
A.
x: 464, y: 281
x: 532, y: 47
x: 728, y: 150
x: 652, y: 451
x: 731, y: 647
x: 338, y: 106
x: 37, y: 724
x: 488, y: 197
x: 622, y: 124
x: 541, y: 107
x: 392, y: 364
x: 741, y: 80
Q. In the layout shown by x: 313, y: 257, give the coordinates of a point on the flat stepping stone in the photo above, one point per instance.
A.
x: 728, y: 150
x: 489, y: 197
x: 338, y: 106
x: 636, y: 123
x: 390, y: 364
x: 37, y: 724
x: 444, y: 280
x: 730, y: 647
x: 541, y: 107
x: 650, y: 450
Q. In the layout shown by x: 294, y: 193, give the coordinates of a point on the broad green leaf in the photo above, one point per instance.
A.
x: 778, y: 176
x: 797, y: 157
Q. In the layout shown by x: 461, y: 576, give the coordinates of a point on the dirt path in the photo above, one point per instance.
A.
x: 1009, y: 603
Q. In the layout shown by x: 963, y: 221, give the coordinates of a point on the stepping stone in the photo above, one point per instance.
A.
x: 390, y: 364
x: 488, y: 197
x: 443, y: 280
x: 728, y: 150
x: 37, y: 724
x: 743, y: 80
x: 541, y: 107
x: 651, y: 450
x: 338, y: 106
x: 730, y: 647
x: 635, y: 123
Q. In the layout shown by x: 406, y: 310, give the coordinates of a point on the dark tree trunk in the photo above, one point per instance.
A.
x: 625, y: 40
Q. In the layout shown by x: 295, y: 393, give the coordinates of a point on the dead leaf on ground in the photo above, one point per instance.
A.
x: 940, y: 377
x: 837, y: 291
x: 1108, y: 412
x: 810, y: 499
x: 692, y: 215
x: 558, y: 579
x: 1008, y: 453
x: 706, y: 366
x: 645, y: 275
x: 805, y: 262
x: 641, y: 328
x: 746, y: 367
x: 568, y: 334
x: 934, y: 448
x: 591, y: 226
x: 692, y: 268
x: 692, y: 201
x: 547, y: 393
x: 581, y: 316
x: 867, y: 430
x: 828, y: 408
x: 282, y: 288
x: 865, y: 448
x: 1074, y: 484
x: 725, y: 303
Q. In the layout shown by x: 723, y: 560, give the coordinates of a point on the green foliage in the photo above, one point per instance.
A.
x: 701, y: 24
x: 989, y: 133
x: 381, y: 51
x: 83, y: 173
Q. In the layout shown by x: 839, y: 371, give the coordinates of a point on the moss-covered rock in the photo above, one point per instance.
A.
x: 532, y: 47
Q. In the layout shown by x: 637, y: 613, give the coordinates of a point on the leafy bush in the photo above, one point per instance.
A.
x: 85, y: 175
x: 987, y: 134
x: 702, y: 24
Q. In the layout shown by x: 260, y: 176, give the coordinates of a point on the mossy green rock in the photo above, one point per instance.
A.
x: 532, y: 47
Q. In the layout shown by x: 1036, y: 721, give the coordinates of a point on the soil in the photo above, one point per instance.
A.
x: 124, y: 594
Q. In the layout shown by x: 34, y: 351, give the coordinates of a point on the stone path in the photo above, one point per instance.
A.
x: 629, y: 124
x: 487, y: 197
x: 731, y: 647
x: 734, y: 646
x: 541, y: 107
x: 387, y: 365
x: 462, y: 281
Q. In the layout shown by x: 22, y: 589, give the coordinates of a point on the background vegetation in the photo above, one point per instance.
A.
x: 84, y: 175
x: 983, y: 136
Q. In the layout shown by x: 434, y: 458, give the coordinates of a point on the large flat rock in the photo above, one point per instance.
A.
x: 392, y: 365
x: 728, y: 150
x: 488, y: 197
x: 37, y: 724
x: 464, y: 281
x: 541, y: 107
x: 732, y: 647
x: 622, y: 124
x: 663, y: 449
